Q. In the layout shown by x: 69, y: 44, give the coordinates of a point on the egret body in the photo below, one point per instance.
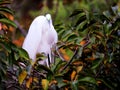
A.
x: 41, y: 38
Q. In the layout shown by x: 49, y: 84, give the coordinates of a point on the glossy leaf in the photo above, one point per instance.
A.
x: 45, y: 68
x: 23, y: 54
x: 4, y: 2
x: 87, y: 25
x: 75, y: 85
x: 72, y: 37
x: 8, y: 22
x: 60, y: 81
x: 80, y: 20
x: 6, y: 46
x: 76, y: 12
x: 88, y: 79
x: 6, y: 10
x: 97, y: 62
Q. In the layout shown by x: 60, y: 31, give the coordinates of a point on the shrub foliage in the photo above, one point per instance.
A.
x: 86, y: 57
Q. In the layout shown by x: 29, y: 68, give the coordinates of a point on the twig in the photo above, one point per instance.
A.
x: 23, y: 31
x: 75, y: 53
x: 59, y: 54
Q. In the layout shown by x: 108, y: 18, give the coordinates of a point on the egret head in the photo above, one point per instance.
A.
x: 48, y: 17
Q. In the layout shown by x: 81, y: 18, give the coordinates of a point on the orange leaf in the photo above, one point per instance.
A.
x: 78, y: 63
x: 64, y: 54
x: 66, y: 88
x: 73, y: 75
x: 0, y: 26
x: 90, y: 59
x: 66, y: 57
x: 53, y: 82
x: 19, y: 41
x: 84, y: 42
x: 28, y: 82
x: 4, y: 27
x: 65, y: 81
x: 99, y: 82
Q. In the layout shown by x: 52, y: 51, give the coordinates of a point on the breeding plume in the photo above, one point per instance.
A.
x: 41, y: 38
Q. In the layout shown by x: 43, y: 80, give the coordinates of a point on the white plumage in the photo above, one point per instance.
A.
x: 41, y: 37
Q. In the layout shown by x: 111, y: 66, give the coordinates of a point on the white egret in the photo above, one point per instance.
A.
x: 41, y: 38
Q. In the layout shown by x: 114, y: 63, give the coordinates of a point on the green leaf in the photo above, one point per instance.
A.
x: 106, y: 84
x: 72, y: 37
x: 88, y: 79
x: 16, y: 56
x: 75, y: 85
x: 80, y: 26
x: 56, y: 65
x: 69, y: 36
x: 6, y: 10
x: 8, y: 22
x: 4, y: 2
x: 80, y: 50
x: 101, y: 18
x: 98, y: 61
x: 3, y: 65
x: 60, y: 33
x: 39, y: 67
x: 66, y: 33
x: 6, y: 46
x: 23, y: 53
x: 110, y: 57
x: 87, y: 25
x: 81, y: 19
x: 59, y: 79
x: 76, y: 12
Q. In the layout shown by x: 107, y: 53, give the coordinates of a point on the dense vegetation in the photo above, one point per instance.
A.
x: 87, y: 55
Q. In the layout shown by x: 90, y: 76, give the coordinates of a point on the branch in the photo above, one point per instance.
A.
x: 75, y: 53
x: 23, y: 31
x: 59, y: 54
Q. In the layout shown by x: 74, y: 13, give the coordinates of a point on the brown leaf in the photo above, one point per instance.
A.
x: 79, y: 68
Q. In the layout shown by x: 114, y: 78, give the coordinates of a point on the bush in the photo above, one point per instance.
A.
x: 87, y: 54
